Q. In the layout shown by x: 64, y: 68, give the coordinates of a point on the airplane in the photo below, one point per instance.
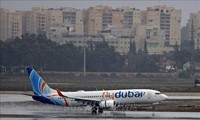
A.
x: 97, y: 100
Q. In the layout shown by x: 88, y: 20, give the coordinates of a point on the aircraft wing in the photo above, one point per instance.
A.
x: 77, y: 98
x: 82, y: 99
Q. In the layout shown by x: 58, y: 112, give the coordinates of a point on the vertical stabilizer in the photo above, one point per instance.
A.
x: 39, y: 86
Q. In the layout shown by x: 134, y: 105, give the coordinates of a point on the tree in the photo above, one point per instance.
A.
x: 132, y: 47
x: 131, y: 57
x: 145, y: 47
x: 196, y: 55
x: 104, y: 59
x: 69, y: 58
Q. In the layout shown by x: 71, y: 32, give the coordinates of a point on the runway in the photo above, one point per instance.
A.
x: 21, y: 107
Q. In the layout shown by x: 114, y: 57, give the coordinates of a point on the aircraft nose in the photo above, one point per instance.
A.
x: 164, y: 96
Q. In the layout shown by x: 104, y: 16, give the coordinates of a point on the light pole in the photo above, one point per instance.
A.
x: 84, y: 57
x: 84, y: 51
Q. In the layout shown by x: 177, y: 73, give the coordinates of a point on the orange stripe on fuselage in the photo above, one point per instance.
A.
x: 66, y: 103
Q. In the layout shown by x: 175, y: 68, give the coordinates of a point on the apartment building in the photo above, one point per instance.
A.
x: 119, y: 22
x: 3, y: 24
x: 12, y: 24
x: 100, y: 17
x: 66, y: 20
x: 41, y: 20
x: 119, y: 32
x: 117, y: 19
x: 73, y: 18
x: 154, y: 37
x: 93, y: 19
x: 143, y: 17
x: 55, y: 17
x: 15, y: 28
x: 27, y: 21
x: 44, y: 19
x: 131, y: 17
x: 167, y: 19
x: 194, y: 28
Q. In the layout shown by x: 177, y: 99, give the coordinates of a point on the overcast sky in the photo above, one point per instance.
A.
x: 187, y: 6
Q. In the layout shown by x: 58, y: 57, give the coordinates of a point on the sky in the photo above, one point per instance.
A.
x: 187, y: 6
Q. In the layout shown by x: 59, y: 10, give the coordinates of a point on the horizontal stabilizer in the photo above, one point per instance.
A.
x: 27, y: 94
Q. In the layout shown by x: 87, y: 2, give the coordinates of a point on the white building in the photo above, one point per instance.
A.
x: 194, y: 28
x: 3, y: 24
x: 120, y: 44
x: 154, y: 37
x: 155, y: 41
x: 167, y: 19
x: 119, y: 32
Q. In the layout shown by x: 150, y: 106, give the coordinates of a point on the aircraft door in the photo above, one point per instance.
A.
x: 149, y: 95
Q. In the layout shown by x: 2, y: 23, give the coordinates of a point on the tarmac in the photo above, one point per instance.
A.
x: 15, y: 106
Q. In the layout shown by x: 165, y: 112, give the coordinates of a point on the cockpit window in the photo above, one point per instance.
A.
x: 158, y: 93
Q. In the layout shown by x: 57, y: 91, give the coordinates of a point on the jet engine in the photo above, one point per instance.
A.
x: 107, y: 104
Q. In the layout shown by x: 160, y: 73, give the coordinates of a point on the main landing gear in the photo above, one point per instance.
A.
x: 96, y: 109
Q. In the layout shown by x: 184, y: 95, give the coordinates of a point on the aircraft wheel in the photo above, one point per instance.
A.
x: 100, y: 110
x: 94, y: 110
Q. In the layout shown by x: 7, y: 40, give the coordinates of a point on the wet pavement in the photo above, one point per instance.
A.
x: 21, y: 107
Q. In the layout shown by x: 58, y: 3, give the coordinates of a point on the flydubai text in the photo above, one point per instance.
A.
x: 129, y: 94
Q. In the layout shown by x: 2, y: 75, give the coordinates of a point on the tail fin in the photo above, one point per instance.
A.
x: 39, y: 86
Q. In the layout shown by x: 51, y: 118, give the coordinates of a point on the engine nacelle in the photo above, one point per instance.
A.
x: 107, y: 104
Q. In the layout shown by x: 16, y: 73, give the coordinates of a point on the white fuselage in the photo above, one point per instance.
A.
x: 127, y: 96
